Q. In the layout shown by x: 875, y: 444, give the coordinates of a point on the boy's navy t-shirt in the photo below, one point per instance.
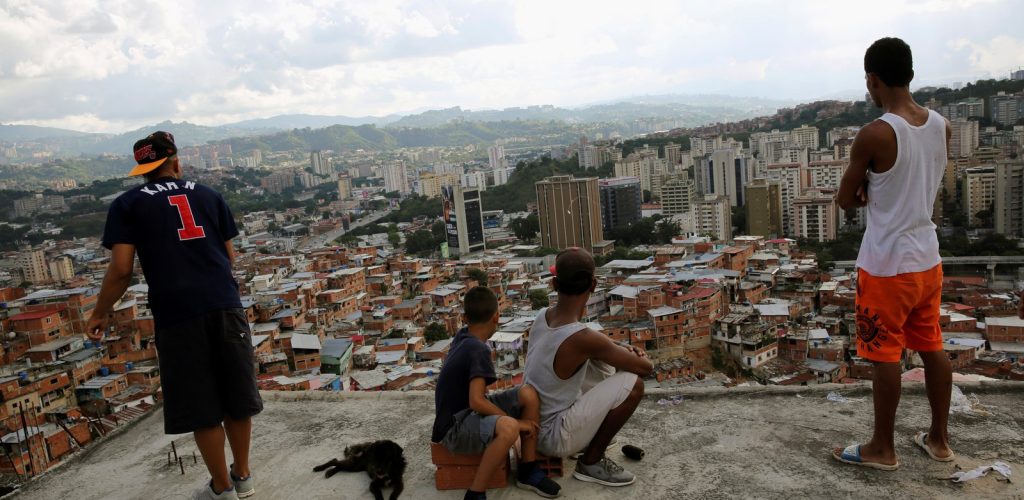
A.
x: 468, y: 358
x: 179, y: 229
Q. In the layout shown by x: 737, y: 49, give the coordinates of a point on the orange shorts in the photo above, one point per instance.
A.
x: 897, y: 312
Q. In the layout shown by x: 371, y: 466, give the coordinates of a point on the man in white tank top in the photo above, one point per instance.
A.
x: 588, y: 385
x: 896, y: 167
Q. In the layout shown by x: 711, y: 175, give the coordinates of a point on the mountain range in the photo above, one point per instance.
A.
x: 672, y: 110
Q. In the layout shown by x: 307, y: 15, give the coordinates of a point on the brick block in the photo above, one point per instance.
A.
x: 457, y: 471
x: 552, y: 466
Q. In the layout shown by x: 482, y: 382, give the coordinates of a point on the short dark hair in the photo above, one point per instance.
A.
x: 480, y: 305
x: 574, y: 271
x: 162, y: 170
x: 890, y: 59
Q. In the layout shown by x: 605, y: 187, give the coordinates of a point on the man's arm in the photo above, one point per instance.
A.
x: 231, y: 252
x: 478, y: 401
x: 853, y: 188
x: 596, y: 346
x: 115, y: 282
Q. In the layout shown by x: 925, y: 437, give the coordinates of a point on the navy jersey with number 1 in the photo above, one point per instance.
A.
x: 179, y: 229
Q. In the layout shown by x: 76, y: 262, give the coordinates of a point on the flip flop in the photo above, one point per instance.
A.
x: 921, y: 439
x: 851, y: 455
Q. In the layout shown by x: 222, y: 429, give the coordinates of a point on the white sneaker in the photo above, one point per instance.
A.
x: 206, y: 493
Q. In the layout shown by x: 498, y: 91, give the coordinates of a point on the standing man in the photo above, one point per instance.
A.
x: 589, y: 386
x: 896, y: 167
x: 182, y: 232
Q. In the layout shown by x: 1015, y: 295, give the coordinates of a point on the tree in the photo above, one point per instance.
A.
x: 525, y: 228
x: 739, y: 219
x: 477, y: 274
x: 647, y: 196
x: 538, y: 298
x: 668, y: 229
x: 421, y: 241
x: 434, y: 332
x: 393, y: 236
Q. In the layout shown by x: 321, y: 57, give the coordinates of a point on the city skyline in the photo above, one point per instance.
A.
x: 104, y: 69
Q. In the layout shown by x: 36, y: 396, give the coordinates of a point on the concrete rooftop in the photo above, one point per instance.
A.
x: 716, y: 443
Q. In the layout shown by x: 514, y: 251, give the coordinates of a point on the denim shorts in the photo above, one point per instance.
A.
x: 471, y: 432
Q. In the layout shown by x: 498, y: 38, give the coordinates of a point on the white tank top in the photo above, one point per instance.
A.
x: 556, y: 395
x: 900, y: 236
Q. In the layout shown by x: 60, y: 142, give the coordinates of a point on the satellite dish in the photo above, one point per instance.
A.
x: 12, y: 335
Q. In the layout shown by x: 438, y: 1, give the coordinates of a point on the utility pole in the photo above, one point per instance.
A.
x: 28, y: 443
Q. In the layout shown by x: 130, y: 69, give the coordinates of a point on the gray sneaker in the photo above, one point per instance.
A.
x: 605, y: 472
x: 244, y: 488
x: 206, y: 493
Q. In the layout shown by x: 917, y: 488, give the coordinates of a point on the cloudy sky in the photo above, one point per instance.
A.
x: 119, y: 64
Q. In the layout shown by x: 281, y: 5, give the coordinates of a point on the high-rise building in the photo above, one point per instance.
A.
x: 792, y: 178
x: 644, y: 165
x: 764, y: 208
x: 978, y: 194
x: 431, y: 185
x: 395, y: 177
x: 620, y: 202
x: 278, y: 182
x: 703, y: 145
x: 320, y: 166
x: 677, y: 192
x: 825, y: 174
x: 501, y: 176
x: 725, y: 172
x: 496, y: 157
x: 569, y: 210
x: 964, y: 139
x: 712, y: 216
x: 673, y: 154
x: 816, y: 215
x: 1009, y: 198
x: 1006, y: 108
x: 476, y: 179
x: 805, y: 136
x: 307, y: 180
x: 463, y: 219
x: 344, y: 187
x: 968, y: 108
x: 61, y: 268
x: 33, y: 265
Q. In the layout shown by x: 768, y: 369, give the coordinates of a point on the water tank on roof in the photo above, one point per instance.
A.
x: 104, y: 371
x: 23, y: 376
x: 129, y: 365
x: 12, y: 335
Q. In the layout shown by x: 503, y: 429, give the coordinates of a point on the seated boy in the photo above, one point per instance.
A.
x: 470, y: 422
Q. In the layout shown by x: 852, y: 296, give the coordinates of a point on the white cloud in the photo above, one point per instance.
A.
x: 996, y: 57
x: 102, y: 64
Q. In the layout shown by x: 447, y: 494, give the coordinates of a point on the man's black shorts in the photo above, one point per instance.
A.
x: 207, y: 371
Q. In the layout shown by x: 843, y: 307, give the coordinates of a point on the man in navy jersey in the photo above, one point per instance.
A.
x: 182, y: 234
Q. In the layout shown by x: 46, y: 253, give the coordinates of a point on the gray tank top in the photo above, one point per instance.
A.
x: 556, y: 395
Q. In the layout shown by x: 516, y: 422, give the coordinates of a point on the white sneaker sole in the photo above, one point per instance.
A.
x: 590, y: 479
x: 247, y: 494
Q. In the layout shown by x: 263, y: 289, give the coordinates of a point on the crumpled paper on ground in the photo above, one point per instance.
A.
x: 674, y: 400
x: 966, y: 405
x: 961, y: 476
x: 835, y: 397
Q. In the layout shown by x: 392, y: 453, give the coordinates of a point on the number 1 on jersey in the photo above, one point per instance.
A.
x: 189, y: 230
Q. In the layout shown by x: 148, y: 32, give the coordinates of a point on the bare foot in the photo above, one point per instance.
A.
x: 938, y: 446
